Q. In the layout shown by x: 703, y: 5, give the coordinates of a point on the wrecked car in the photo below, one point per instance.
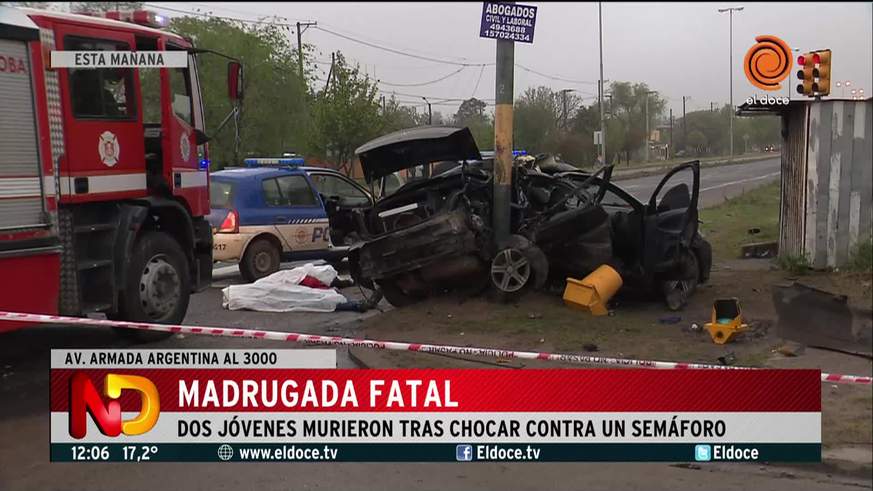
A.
x: 434, y: 232
x: 655, y: 245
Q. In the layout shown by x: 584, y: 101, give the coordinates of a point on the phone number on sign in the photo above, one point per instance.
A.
x: 511, y: 36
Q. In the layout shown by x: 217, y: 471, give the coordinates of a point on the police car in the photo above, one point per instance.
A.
x: 274, y: 210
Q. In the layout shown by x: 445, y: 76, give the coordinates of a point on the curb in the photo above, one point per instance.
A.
x: 633, y: 174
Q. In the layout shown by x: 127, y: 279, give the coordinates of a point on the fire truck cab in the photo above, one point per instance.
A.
x: 104, y: 182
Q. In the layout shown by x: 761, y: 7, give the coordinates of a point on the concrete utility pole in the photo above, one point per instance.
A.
x: 646, y: 142
x: 300, y: 44
x: 429, y: 112
x: 684, y: 126
x: 504, y: 94
x: 670, y: 150
x: 730, y: 12
x: 565, y: 110
x: 601, y: 88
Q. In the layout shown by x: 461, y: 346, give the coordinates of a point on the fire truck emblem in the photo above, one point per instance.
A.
x: 108, y: 148
x: 185, y: 147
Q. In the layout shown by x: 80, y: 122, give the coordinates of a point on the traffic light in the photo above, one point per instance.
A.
x: 815, y: 74
x: 822, y: 73
x: 805, y: 74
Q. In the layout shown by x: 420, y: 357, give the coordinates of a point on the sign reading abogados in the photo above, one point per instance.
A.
x: 508, y: 21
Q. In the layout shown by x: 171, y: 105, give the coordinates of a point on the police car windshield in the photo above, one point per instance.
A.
x: 220, y: 194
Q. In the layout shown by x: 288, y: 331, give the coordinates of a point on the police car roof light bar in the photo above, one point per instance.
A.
x: 293, y: 162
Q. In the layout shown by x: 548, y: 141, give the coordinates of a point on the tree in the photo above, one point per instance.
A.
x: 697, y: 142
x: 273, y: 116
x: 471, y: 113
x: 396, y: 117
x: 104, y: 6
x: 535, y: 120
x: 345, y: 115
x: 628, y: 107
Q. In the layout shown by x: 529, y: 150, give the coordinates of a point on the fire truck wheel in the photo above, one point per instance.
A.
x: 158, y: 287
x: 260, y: 259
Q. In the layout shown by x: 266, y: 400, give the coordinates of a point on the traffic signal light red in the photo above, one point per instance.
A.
x: 815, y: 74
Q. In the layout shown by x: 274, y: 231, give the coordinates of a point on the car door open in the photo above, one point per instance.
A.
x: 671, y: 216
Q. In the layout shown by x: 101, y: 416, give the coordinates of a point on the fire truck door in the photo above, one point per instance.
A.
x: 180, y: 117
x: 105, y: 151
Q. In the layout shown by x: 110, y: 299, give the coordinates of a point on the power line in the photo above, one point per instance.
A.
x: 476, y: 87
x: 554, y: 77
x: 423, y: 83
x: 376, y: 46
x: 348, y: 32
x: 205, y: 14
x: 398, y: 52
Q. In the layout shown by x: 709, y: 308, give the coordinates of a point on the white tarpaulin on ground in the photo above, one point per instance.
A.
x: 282, y: 292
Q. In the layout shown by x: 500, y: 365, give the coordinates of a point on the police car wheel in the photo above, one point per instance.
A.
x: 260, y: 259
x: 158, y: 286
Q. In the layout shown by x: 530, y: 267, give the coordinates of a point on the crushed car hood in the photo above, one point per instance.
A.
x: 407, y: 148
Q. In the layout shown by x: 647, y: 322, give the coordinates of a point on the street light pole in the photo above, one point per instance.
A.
x: 646, y: 142
x: 602, y: 109
x: 731, y: 15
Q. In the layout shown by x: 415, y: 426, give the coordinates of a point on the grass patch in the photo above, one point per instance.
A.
x: 861, y: 258
x: 794, y: 264
x: 727, y: 225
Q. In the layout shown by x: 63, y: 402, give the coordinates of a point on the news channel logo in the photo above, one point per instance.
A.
x: 702, y: 453
x: 464, y: 453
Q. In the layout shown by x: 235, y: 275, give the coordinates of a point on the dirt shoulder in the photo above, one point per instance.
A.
x: 642, y: 327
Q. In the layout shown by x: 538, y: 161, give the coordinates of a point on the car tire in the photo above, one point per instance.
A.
x: 517, y: 268
x: 261, y: 259
x: 157, y: 288
x: 677, y: 292
x: 396, y: 296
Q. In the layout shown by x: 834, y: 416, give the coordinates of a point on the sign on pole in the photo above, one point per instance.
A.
x: 508, y: 21
x: 598, y: 137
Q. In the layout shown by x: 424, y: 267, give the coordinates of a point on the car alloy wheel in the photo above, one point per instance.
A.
x: 510, y: 270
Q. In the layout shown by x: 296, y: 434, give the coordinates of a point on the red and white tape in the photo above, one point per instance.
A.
x: 314, y: 339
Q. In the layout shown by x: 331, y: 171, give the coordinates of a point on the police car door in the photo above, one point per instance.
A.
x: 302, y: 220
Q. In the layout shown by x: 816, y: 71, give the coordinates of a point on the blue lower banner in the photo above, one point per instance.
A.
x: 436, y: 452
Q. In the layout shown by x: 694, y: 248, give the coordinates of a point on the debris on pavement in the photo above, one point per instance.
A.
x: 593, y: 292
x: 790, y: 349
x: 727, y: 320
x: 728, y: 359
x: 819, y: 318
x: 590, y: 347
x: 670, y: 319
x: 759, y: 250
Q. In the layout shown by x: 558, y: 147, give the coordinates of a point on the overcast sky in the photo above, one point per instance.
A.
x: 677, y: 48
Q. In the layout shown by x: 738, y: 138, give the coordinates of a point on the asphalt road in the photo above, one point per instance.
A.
x: 24, y: 417
x: 716, y: 183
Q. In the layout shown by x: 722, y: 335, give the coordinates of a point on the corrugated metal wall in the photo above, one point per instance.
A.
x: 793, y: 197
x: 838, y: 173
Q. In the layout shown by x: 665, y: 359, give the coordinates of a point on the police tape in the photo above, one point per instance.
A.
x: 315, y: 339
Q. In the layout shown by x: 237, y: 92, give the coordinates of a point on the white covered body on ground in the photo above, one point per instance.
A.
x: 282, y: 292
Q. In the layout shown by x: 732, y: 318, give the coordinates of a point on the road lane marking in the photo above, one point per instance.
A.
x: 741, y: 181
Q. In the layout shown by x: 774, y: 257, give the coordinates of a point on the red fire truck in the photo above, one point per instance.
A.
x: 103, y: 171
